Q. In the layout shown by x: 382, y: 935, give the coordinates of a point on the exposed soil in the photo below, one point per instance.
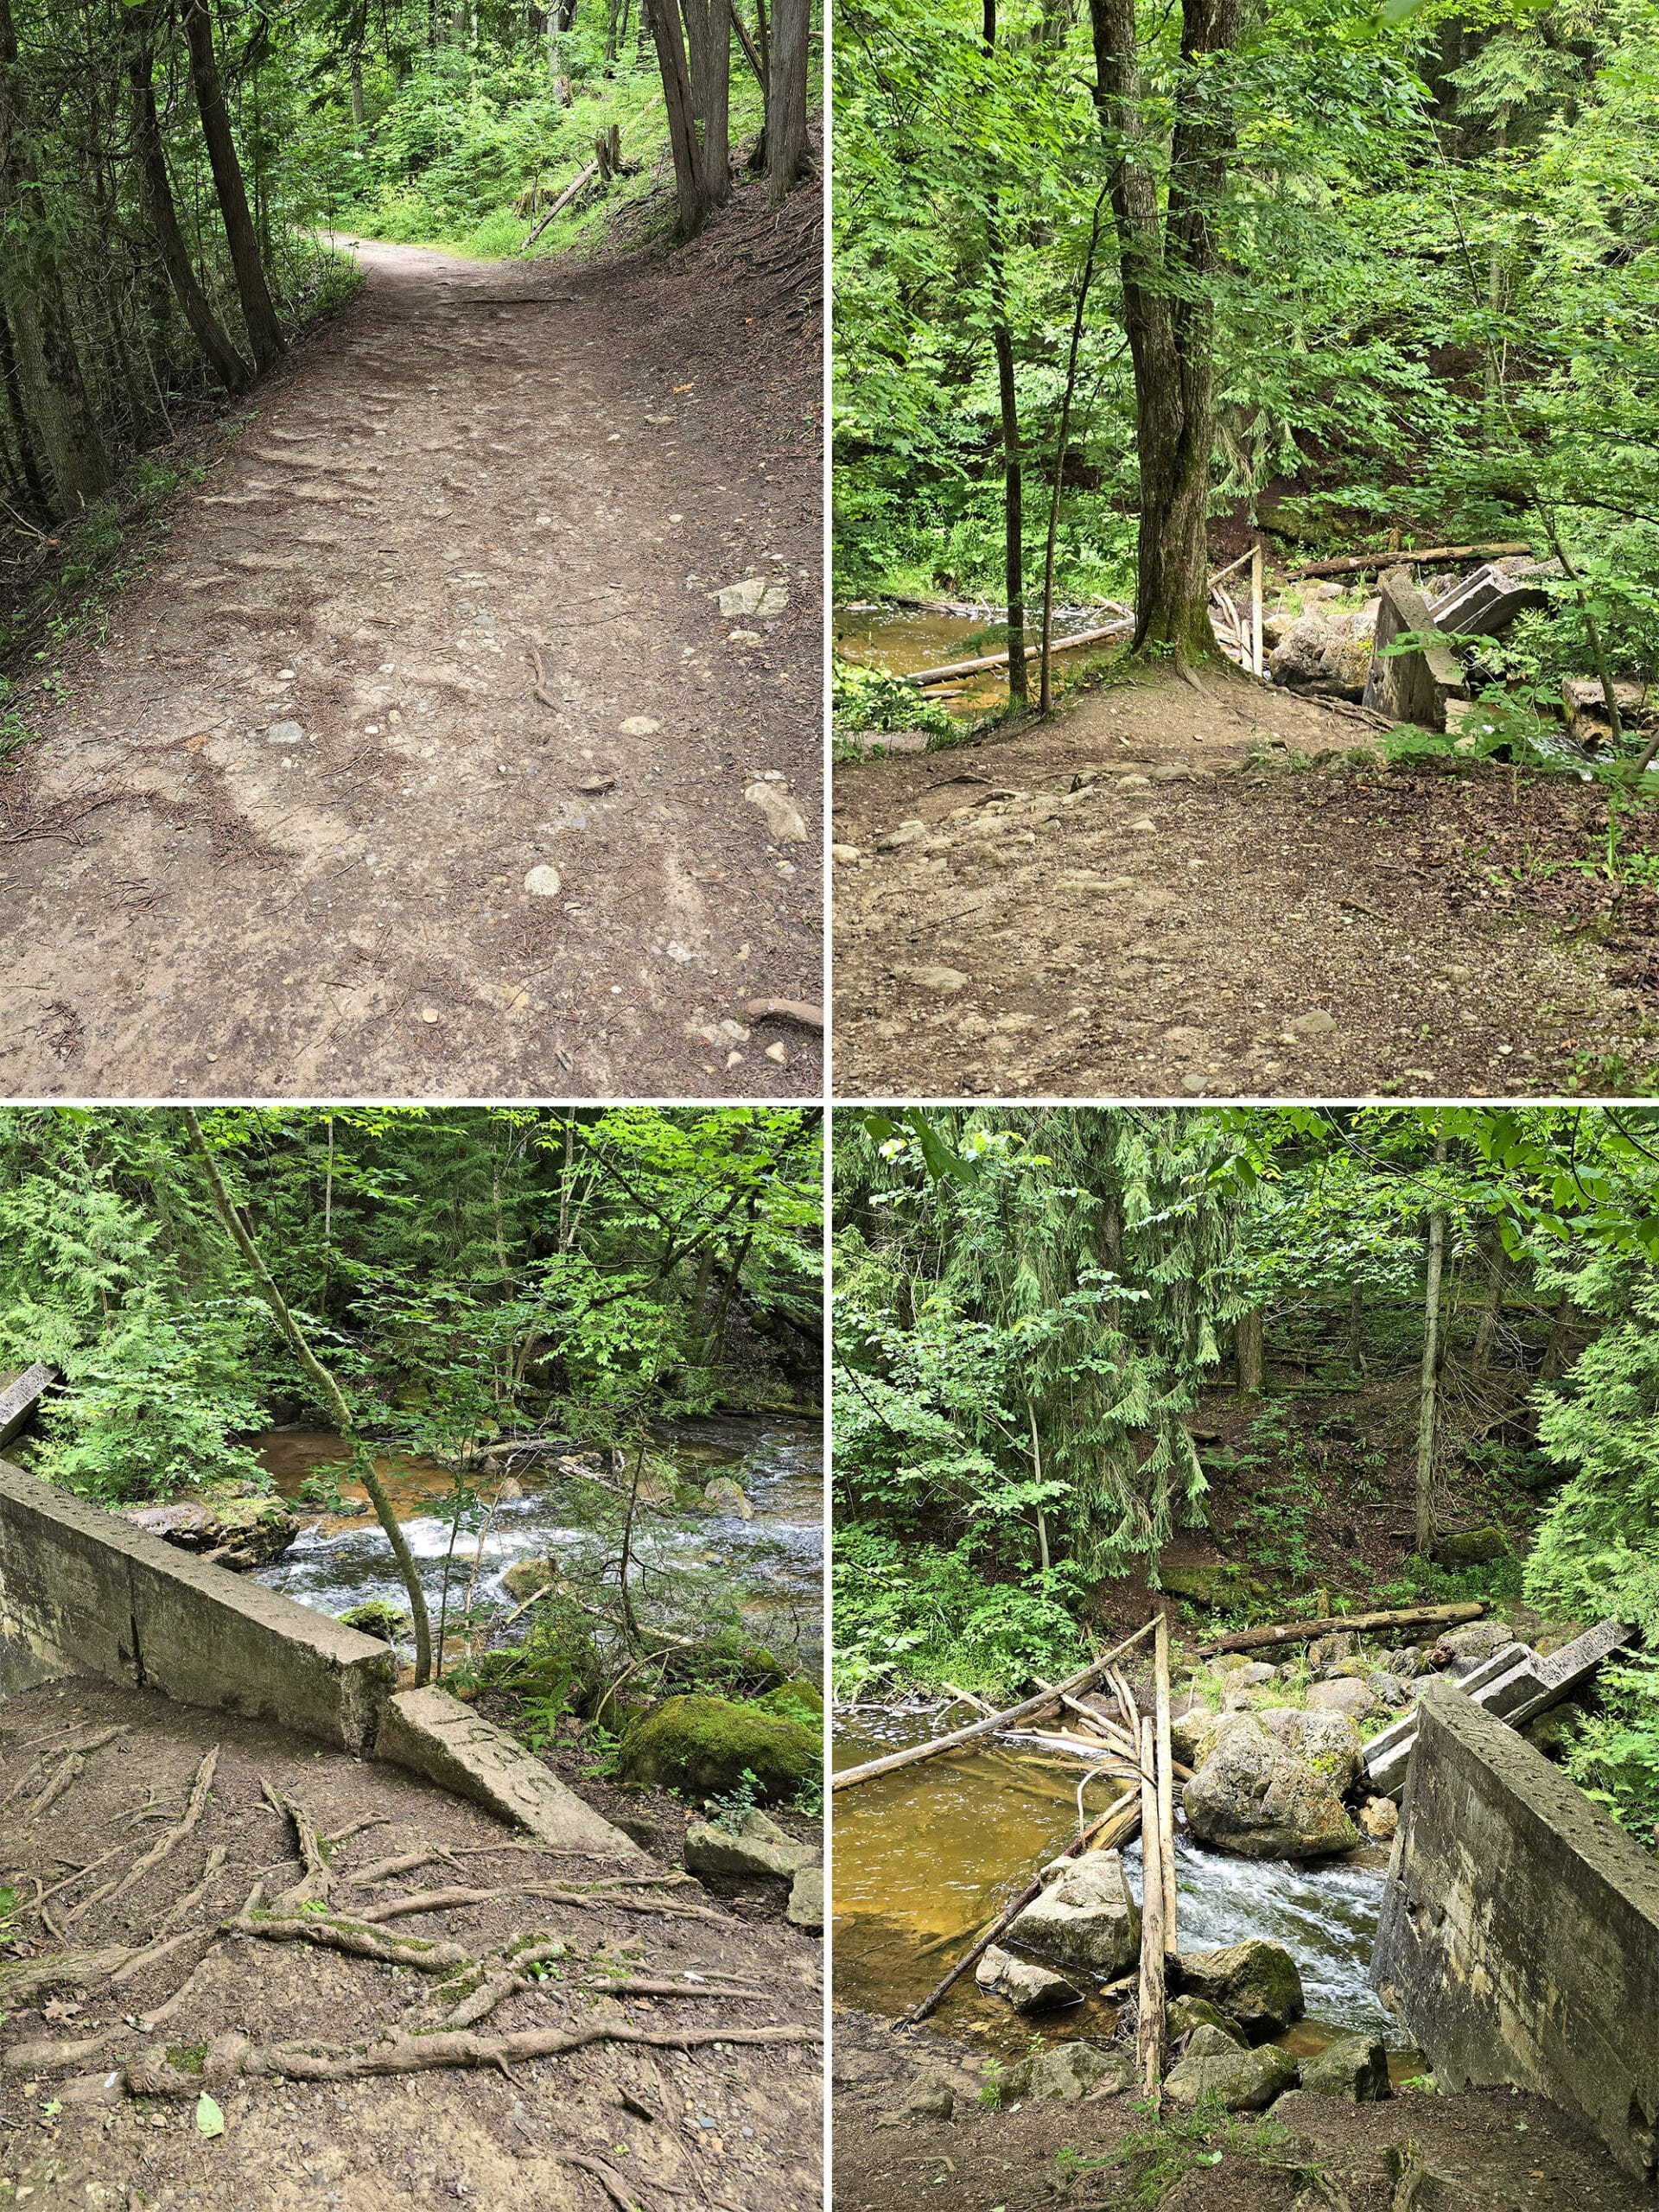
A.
x: 1492, y: 2150
x: 471, y: 463
x: 731, y: 2126
x: 1252, y: 928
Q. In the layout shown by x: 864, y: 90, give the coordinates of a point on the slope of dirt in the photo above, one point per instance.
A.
x: 723, y: 2125
x: 1492, y: 2150
x: 471, y: 464
x: 1142, y: 900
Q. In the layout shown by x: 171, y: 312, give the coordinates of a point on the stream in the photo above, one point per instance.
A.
x: 775, y: 1562
x: 924, y: 1856
x: 901, y: 638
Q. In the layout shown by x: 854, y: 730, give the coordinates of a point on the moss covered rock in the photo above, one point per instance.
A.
x: 377, y: 1618
x: 1256, y: 1983
x: 703, y: 1745
x: 797, y: 1700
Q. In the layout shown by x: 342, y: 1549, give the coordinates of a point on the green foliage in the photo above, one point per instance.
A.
x: 729, y: 1809
x: 868, y: 699
x: 1615, y: 1759
x: 919, y: 1615
x: 1167, y: 2143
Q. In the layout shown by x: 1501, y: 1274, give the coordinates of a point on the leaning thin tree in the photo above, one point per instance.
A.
x: 1168, y: 259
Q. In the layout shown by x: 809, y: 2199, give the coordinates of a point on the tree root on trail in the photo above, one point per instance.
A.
x: 385, y: 1870
x: 230, y: 2056
x: 353, y: 1937
x: 194, y: 1805
x: 610, y: 2181
x: 25, y: 1979
x: 316, y: 1882
x: 47, y: 2054
x: 68, y: 1771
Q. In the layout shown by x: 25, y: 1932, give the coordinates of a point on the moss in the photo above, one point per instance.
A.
x: 702, y: 1745
x: 187, y: 2057
x: 800, y: 1700
x: 377, y: 1619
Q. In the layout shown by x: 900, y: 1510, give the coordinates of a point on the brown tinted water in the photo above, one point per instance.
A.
x: 924, y: 1856
x: 900, y: 639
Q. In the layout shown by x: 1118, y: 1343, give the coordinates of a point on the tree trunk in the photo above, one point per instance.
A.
x: 1250, y: 1351
x: 1044, y: 689
x: 31, y: 482
x: 1357, y: 1325
x: 1491, y: 1313
x: 1167, y: 313
x: 227, y: 364
x: 357, y: 91
x: 38, y: 302
x: 1425, y: 1535
x: 690, y: 188
x: 1013, y: 519
x: 787, y: 65
x: 264, y: 332
x: 708, y: 38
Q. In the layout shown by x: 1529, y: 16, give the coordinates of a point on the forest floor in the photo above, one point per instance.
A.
x: 1184, y: 898
x: 725, y: 2125
x: 1491, y: 2151
x: 471, y: 463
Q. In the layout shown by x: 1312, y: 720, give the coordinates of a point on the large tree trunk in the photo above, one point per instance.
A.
x: 1427, y: 1404
x: 1167, y: 313
x: 709, y: 35
x: 38, y: 302
x: 690, y: 186
x: 228, y: 365
x: 787, y: 63
x: 264, y: 332
x: 1013, y: 486
x: 1250, y: 1351
x: 29, y: 481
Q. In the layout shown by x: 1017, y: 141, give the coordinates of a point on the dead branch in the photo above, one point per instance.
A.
x: 539, y: 687
x: 1253, y: 1639
x: 625, y: 2199
x: 163, y: 1844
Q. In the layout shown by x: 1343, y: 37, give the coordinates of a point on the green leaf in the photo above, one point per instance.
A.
x: 210, y: 2120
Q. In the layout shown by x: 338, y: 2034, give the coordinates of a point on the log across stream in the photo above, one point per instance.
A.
x: 926, y: 1855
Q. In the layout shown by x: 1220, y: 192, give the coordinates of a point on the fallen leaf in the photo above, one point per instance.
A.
x: 210, y: 2120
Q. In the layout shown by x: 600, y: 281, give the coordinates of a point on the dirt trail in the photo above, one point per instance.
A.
x: 470, y: 462
x: 1120, y: 905
x: 730, y: 2125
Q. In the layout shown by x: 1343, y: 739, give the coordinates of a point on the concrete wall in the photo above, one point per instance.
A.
x: 1520, y: 1931
x: 84, y: 1592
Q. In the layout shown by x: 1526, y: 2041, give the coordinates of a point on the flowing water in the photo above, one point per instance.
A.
x: 774, y: 1562
x: 903, y: 639
x: 926, y: 1857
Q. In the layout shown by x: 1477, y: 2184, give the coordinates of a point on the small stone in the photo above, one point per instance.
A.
x: 284, y: 733
x: 1316, y: 1024
x: 1134, y: 783
x: 1144, y: 824
x: 639, y: 725
x: 744, y: 638
x: 594, y: 785
x: 932, y: 2097
x: 941, y: 982
x: 543, y: 882
x: 844, y: 855
x: 1379, y: 1817
x: 907, y: 833
x: 430, y: 1014
x: 805, y: 1907
x: 1028, y: 1988
x: 785, y: 823
x: 778, y: 1053
x: 755, y: 595
x: 1097, y: 887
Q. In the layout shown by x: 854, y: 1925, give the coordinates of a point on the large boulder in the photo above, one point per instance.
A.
x: 526, y: 1578
x: 1085, y: 1916
x: 704, y: 1745
x: 1346, y: 660
x: 1344, y: 1695
x: 753, y: 1845
x: 1028, y: 1988
x: 1477, y: 1640
x: 1185, y: 2016
x: 1328, y: 1742
x: 1067, y: 2072
x: 1256, y: 1983
x: 237, y: 1533
x: 1253, y: 1796
x: 1245, y: 2080
x: 378, y: 1617
x: 1300, y: 656
x: 1356, y: 2067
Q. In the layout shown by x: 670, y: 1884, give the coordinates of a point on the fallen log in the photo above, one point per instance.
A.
x: 1124, y: 1817
x: 924, y: 675
x: 854, y: 1775
x: 1424, y: 556
x: 584, y: 177
x: 1257, y: 1639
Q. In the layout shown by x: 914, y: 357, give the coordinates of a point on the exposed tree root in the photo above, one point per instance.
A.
x: 351, y: 1936
x: 316, y: 1881
x: 227, y: 2057
x: 194, y: 1805
x: 432, y: 1901
x: 385, y: 1870
x: 22, y: 1981
x: 47, y: 2054
x: 210, y: 1874
x: 610, y: 2181
x: 68, y: 1771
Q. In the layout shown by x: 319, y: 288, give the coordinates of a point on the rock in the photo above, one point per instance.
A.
x: 1253, y: 1796
x: 639, y: 725
x: 1028, y: 1988
x: 723, y: 1491
x: 1067, y: 2072
x: 1202, y: 1582
x: 754, y: 1845
x: 1244, y: 2081
x: 1555, y: 1731
x: 846, y: 856
x: 930, y: 2096
x: 786, y: 824
x: 1328, y: 1742
x: 907, y: 833
x: 377, y: 1618
x: 1210, y: 2042
x: 1346, y: 661
x: 702, y: 1745
x: 793, y: 1697
x: 237, y: 1533
x: 1356, y: 2067
x: 1378, y: 1819
x: 1407, y: 1662
x: 1143, y: 825
x: 526, y: 1576
x: 1299, y: 655
x: 1316, y: 1023
x: 543, y: 882
x: 1478, y: 1640
x: 1085, y: 1916
x: 284, y: 733
x: 1252, y: 1674
x: 1469, y: 1548
x: 805, y: 1906
x: 1330, y: 1650
x: 1345, y: 1695
x: 755, y: 595
x: 1185, y: 2016
x: 939, y: 982
x: 1254, y: 1982
x: 1389, y: 1689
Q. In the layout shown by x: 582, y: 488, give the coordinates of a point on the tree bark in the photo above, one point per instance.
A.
x: 38, y: 302
x: 1165, y: 1780
x: 1263, y: 1639
x: 690, y: 186
x: 264, y: 332
x: 1430, y: 1388
x: 708, y: 37
x: 1250, y: 1351
x: 227, y: 364
x: 1044, y: 689
x: 787, y: 59
x: 1014, y: 521
x: 1150, y: 2032
x: 1168, y: 317
x: 1491, y: 1313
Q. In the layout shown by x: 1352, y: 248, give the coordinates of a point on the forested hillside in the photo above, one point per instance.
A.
x: 1120, y: 290
x: 1277, y: 1364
